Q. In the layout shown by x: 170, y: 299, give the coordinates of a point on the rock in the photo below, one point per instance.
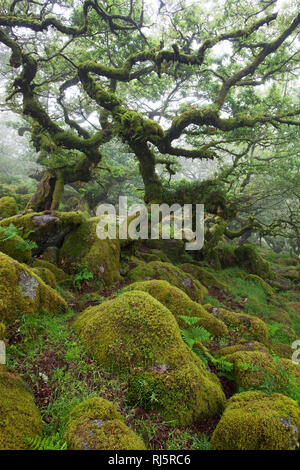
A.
x: 203, y: 275
x: 134, y: 332
x: 174, y: 275
x: 95, y: 424
x: 180, y: 304
x: 8, y: 207
x: 19, y: 417
x: 102, y: 256
x: 257, y: 421
x: 60, y: 276
x: 23, y: 292
x: 248, y: 326
x: 44, y: 229
x: 15, y: 248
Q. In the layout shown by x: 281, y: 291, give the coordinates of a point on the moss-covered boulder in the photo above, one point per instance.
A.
x: 60, y: 276
x: 263, y: 284
x: 8, y: 207
x: 252, y: 368
x: 248, y: 326
x: 180, y: 304
x: 203, y: 275
x: 45, y: 229
x: 19, y: 417
x: 136, y: 333
x: 102, y: 256
x: 15, y: 247
x: 174, y: 275
x: 257, y: 421
x: 47, y: 276
x: 248, y: 258
x: 95, y: 424
x: 242, y: 346
x: 22, y: 291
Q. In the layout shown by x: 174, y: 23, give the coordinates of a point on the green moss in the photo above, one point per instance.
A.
x: 203, y: 275
x: 178, y: 394
x: 45, y: 229
x: 249, y: 326
x: 251, y: 367
x: 248, y: 258
x: 8, y: 207
x: 180, y: 304
x: 174, y: 275
x: 95, y: 424
x: 281, y: 349
x: 265, y: 286
x: 19, y: 417
x: 2, y: 331
x: 173, y: 250
x: 22, y: 291
x: 256, y: 421
x: 47, y: 276
x: 59, y: 274
x: 242, y: 346
x: 15, y: 248
x: 102, y: 256
x: 136, y: 333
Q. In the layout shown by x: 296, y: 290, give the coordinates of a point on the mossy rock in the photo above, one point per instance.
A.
x: 242, y: 346
x: 153, y: 255
x: 248, y: 258
x: 178, y: 393
x: 136, y: 333
x: 257, y: 421
x: 263, y: 284
x: 45, y: 229
x: 47, y: 276
x: 95, y: 424
x: 249, y: 326
x: 8, y: 207
x: 281, y: 316
x: 292, y: 369
x: 51, y: 254
x: 180, y: 304
x: 173, y: 249
x: 23, y: 292
x: 60, y: 276
x: 16, y: 248
x: 174, y: 275
x: 203, y: 275
x: 251, y: 368
x: 102, y: 256
x: 281, y: 349
x: 19, y: 417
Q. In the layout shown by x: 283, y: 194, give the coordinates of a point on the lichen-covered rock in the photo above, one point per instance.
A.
x: 95, y: 424
x: 257, y: 421
x: 203, y: 275
x: 136, y: 333
x: 8, y: 207
x: 174, y: 275
x: 19, y: 417
x: 248, y: 326
x: 180, y: 304
x: 22, y: 291
x: 102, y: 256
x: 45, y: 229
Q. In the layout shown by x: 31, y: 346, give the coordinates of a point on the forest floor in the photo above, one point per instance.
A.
x: 50, y: 357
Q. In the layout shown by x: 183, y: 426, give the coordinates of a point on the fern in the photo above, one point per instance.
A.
x: 46, y: 443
